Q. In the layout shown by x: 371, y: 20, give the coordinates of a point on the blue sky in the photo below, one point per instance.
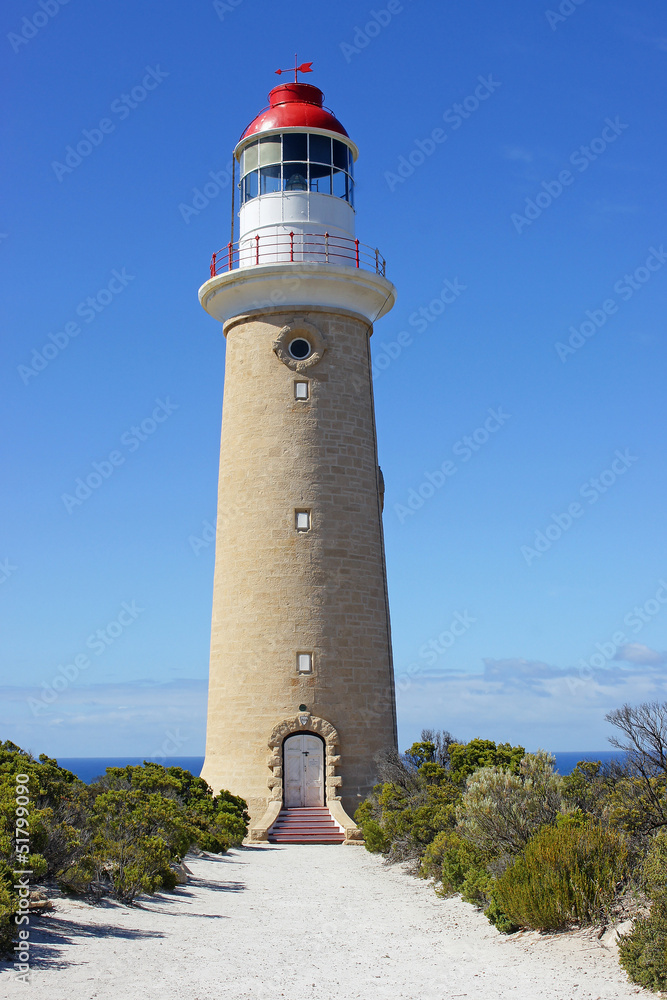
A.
x: 511, y: 171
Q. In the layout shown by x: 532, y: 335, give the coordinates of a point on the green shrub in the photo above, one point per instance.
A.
x: 501, y: 810
x: 375, y: 838
x: 8, y: 908
x: 119, y: 835
x: 566, y: 874
x: 458, y: 866
x: 136, y: 836
x: 653, y: 871
x: 49, y: 791
x: 214, y: 822
x: 144, y: 866
x: 466, y: 758
x: 497, y: 916
x: 643, y: 952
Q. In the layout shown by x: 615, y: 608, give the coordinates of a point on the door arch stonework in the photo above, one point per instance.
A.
x: 305, y: 723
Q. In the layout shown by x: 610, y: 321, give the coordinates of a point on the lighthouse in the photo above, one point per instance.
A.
x: 301, y: 691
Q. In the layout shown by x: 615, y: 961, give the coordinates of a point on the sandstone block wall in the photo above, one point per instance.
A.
x: 278, y: 591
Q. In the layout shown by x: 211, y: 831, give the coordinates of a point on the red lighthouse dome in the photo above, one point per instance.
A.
x: 294, y: 105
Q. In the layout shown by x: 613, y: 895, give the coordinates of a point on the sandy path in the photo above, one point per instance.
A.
x: 305, y: 923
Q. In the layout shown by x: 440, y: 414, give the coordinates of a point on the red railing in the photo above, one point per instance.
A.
x: 298, y: 248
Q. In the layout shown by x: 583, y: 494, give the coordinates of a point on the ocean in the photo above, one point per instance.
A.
x: 89, y: 768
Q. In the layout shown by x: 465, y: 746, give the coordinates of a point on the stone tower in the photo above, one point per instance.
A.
x: 301, y: 692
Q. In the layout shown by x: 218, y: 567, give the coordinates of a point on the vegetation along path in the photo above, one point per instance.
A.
x: 306, y: 922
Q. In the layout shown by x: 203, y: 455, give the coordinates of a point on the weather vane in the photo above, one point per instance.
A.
x: 303, y: 68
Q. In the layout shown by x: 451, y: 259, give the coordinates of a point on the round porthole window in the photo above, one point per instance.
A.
x: 299, y: 349
x: 300, y: 345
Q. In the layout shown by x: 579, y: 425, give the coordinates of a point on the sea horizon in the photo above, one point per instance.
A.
x: 89, y: 768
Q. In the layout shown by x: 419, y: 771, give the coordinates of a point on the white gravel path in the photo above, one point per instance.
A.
x: 305, y: 923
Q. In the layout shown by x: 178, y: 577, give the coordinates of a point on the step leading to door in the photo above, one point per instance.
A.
x: 305, y: 825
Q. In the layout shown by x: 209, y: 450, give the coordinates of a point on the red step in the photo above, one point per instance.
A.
x: 306, y: 825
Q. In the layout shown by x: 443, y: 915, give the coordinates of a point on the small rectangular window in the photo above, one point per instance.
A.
x: 301, y: 390
x: 304, y: 663
x: 302, y: 520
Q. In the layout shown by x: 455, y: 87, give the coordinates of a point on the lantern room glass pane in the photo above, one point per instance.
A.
x: 269, y: 150
x: 269, y: 179
x: 350, y: 163
x: 249, y: 161
x: 250, y: 186
x: 320, y: 178
x: 295, y: 146
x: 339, y: 154
x: 320, y: 149
x: 295, y: 176
x: 340, y: 184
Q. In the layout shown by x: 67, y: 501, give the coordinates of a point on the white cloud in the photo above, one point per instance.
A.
x: 637, y: 652
x: 526, y: 702
x: 117, y: 719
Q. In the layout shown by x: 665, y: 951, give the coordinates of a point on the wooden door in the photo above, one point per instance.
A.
x: 304, y: 771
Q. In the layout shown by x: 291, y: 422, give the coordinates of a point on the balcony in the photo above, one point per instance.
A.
x: 297, y: 248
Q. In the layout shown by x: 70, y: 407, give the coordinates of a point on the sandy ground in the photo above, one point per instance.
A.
x: 305, y: 923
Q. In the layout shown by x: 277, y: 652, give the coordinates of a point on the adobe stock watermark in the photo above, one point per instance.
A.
x: 464, y: 449
x: 7, y: 570
x: 97, y: 642
x: 32, y: 25
x: 419, y: 320
x: 454, y: 117
x: 581, y: 159
x: 131, y: 439
x: 171, y: 745
x: 122, y: 107
x: 210, y: 189
x: 378, y: 20
x: 625, y: 288
x: 565, y: 9
x: 224, y: 7
x: 635, y: 621
x: 22, y: 876
x: 432, y: 650
x: 88, y: 310
x: 205, y: 539
x: 591, y: 491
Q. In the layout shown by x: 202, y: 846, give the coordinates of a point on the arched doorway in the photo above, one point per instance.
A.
x: 303, y: 756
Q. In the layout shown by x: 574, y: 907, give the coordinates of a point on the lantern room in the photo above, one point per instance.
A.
x: 296, y: 238
x: 296, y: 169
